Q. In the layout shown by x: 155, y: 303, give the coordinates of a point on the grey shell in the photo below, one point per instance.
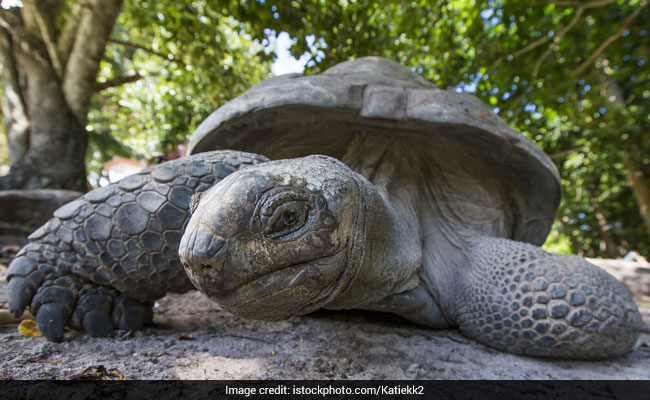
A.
x: 296, y: 115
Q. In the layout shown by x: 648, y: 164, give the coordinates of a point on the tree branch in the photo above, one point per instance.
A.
x: 538, y: 63
x: 563, y: 153
x: 68, y: 33
x: 13, y: 104
x: 533, y: 45
x: 147, y: 50
x: 120, y: 80
x: 80, y: 75
x: 12, y: 21
x: 46, y: 28
x: 626, y: 24
x: 560, y: 33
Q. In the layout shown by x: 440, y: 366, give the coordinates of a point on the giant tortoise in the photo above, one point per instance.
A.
x: 386, y: 194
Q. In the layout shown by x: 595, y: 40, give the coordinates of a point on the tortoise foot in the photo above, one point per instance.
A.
x: 521, y: 299
x: 60, y: 301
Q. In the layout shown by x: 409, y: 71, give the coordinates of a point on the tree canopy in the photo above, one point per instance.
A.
x: 112, y: 76
x: 571, y: 75
x: 186, y: 60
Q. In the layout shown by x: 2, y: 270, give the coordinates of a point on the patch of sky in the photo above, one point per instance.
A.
x: 7, y: 4
x: 284, y: 62
x: 466, y: 87
x: 487, y: 13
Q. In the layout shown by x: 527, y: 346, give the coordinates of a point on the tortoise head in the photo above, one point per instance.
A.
x: 277, y: 239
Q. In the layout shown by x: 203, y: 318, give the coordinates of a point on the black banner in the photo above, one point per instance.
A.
x: 195, y: 390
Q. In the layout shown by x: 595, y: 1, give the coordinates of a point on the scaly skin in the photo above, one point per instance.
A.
x: 102, y: 260
x: 518, y: 298
x: 246, y: 249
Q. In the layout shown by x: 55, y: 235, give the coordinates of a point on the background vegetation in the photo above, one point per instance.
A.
x: 571, y: 75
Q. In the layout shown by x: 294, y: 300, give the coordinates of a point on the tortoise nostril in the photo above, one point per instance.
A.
x: 209, y: 271
x: 203, y: 256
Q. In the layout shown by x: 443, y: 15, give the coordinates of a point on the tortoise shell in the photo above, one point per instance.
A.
x: 405, y: 135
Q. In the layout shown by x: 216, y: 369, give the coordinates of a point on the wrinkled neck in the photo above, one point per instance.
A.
x: 432, y: 196
x: 389, y: 251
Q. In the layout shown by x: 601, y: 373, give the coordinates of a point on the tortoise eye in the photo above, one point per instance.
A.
x: 286, y: 219
x: 290, y: 217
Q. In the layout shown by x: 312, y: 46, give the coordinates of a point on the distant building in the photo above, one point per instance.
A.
x: 120, y: 167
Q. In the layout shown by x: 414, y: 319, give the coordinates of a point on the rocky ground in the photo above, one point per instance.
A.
x: 194, y: 339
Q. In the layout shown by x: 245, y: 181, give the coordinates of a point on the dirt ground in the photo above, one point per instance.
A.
x: 194, y: 339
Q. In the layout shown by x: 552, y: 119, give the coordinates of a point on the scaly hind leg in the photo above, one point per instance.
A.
x: 518, y: 298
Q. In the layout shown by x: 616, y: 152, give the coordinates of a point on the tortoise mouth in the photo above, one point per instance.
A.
x: 291, y: 290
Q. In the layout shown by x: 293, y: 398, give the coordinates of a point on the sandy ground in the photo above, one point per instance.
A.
x: 194, y: 339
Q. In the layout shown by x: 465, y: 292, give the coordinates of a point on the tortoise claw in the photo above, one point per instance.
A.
x: 51, y: 319
x: 92, y: 312
x: 20, y: 294
x: 132, y: 320
x: 98, y: 323
x: 129, y: 314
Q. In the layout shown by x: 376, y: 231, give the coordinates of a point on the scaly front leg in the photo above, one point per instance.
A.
x: 518, y: 298
x: 104, y: 258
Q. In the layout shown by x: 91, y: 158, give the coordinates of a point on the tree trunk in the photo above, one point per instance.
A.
x: 640, y: 183
x: 50, y: 153
x: 638, y: 176
x: 57, y: 142
x: 13, y: 106
x: 608, y: 244
x: 56, y: 154
x: 49, y: 79
x: 567, y: 231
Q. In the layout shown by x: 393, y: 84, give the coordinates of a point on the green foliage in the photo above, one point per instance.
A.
x: 591, y: 115
x: 571, y: 75
x: 190, y: 59
x: 433, y: 39
x: 558, y: 242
